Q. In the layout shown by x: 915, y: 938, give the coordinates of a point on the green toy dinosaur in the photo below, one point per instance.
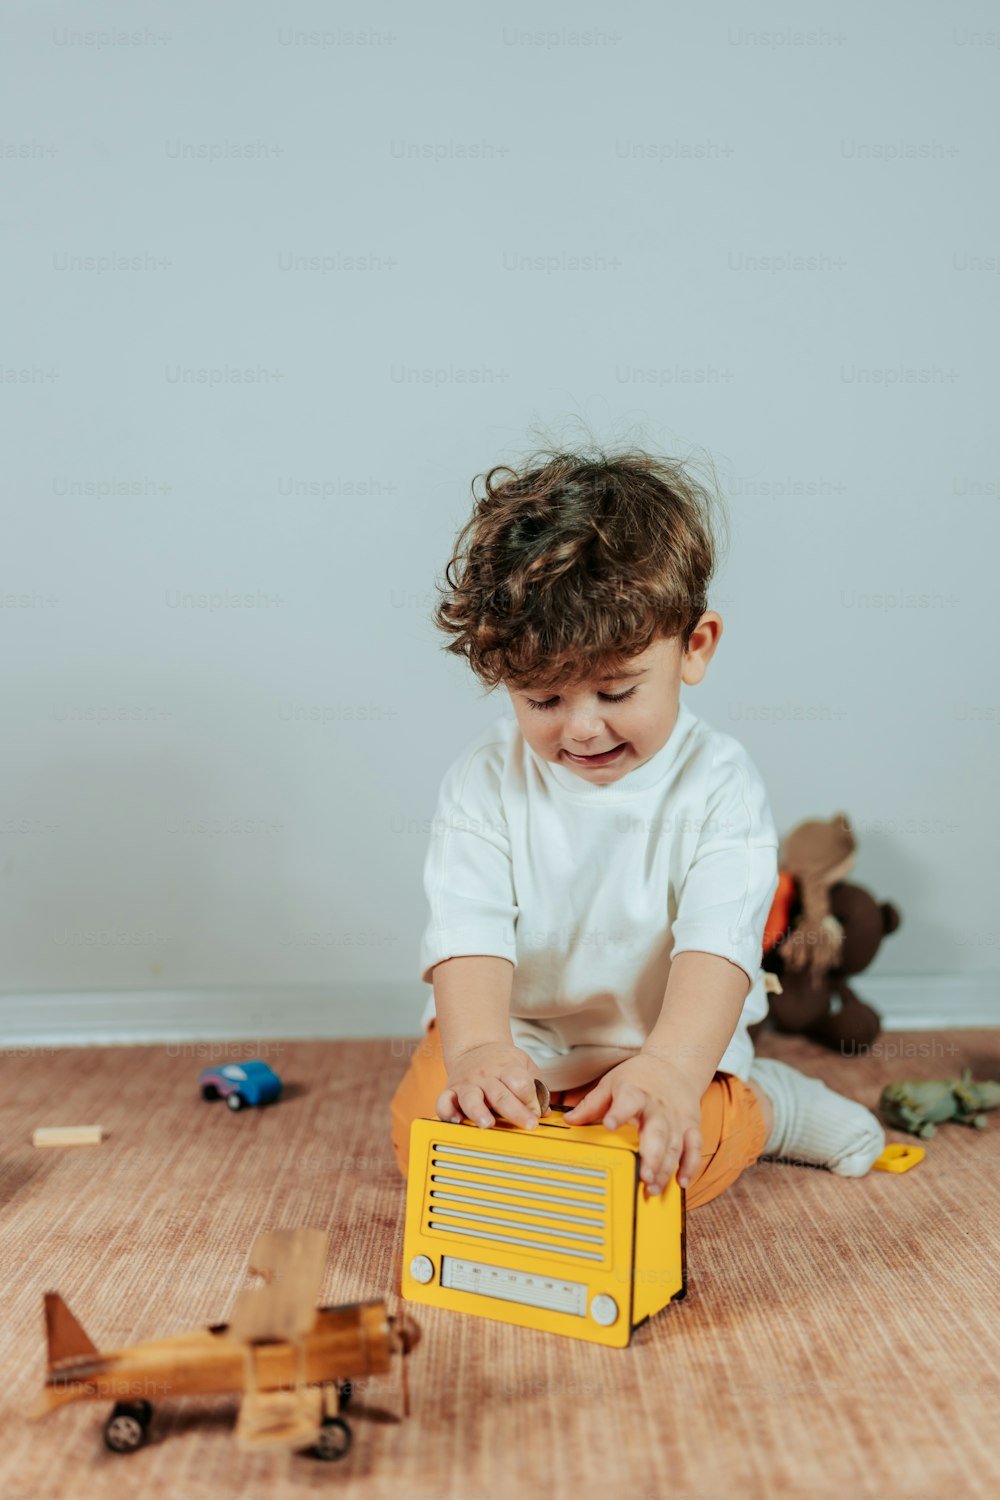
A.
x: 920, y: 1107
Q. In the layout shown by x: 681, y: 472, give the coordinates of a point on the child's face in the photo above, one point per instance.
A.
x: 586, y: 721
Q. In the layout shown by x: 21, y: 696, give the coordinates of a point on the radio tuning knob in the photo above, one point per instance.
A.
x: 422, y: 1270
x: 604, y: 1309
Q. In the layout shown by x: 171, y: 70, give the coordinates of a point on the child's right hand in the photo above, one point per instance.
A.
x: 495, y: 1076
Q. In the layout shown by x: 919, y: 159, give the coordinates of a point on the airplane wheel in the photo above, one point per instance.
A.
x: 125, y: 1429
x: 143, y: 1410
x: 334, y: 1440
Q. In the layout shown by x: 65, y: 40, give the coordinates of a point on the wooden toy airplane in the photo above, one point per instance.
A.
x: 291, y: 1359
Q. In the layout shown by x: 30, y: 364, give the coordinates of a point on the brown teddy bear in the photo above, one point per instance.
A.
x: 821, y: 929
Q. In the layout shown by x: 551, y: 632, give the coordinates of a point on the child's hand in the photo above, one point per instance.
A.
x: 495, y: 1076
x: 659, y: 1098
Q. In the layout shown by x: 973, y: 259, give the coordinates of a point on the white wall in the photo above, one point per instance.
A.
x: 675, y: 148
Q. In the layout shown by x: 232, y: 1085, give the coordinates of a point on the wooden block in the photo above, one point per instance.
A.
x: 68, y: 1135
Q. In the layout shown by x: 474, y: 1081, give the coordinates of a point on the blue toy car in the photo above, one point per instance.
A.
x: 240, y: 1083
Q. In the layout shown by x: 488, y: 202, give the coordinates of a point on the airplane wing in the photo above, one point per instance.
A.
x: 280, y: 1419
x: 291, y: 1262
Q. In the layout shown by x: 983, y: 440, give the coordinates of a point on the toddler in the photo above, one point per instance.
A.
x: 602, y: 864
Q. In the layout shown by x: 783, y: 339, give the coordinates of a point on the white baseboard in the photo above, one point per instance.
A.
x: 228, y: 1013
x: 932, y: 1002
x: 298, y: 1012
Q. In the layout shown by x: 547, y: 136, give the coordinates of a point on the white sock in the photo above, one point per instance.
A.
x: 813, y: 1124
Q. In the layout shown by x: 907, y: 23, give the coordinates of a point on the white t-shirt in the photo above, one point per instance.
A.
x: 591, y: 890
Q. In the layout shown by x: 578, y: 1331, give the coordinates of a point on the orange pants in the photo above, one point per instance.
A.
x: 733, y: 1130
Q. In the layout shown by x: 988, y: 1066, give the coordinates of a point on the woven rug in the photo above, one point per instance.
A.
x: 839, y: 1338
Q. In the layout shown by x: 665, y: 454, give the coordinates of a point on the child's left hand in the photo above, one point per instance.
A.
x: 657, y: 1095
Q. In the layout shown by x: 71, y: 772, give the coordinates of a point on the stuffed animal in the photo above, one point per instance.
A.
x: 920, y: 1107
x: 822, y: 1005
x: 815, y: 855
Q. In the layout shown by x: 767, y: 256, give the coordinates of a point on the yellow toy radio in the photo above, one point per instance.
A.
x: 551, y: 1228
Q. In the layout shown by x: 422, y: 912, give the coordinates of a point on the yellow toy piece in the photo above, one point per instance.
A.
x: 900, y: 1156
x: 549, y: 1228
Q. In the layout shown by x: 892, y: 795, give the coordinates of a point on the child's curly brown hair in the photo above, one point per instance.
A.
x: 572, y: 564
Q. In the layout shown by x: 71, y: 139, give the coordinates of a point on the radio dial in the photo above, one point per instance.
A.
x: 422, y: 1269
x: 604, y: 1309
